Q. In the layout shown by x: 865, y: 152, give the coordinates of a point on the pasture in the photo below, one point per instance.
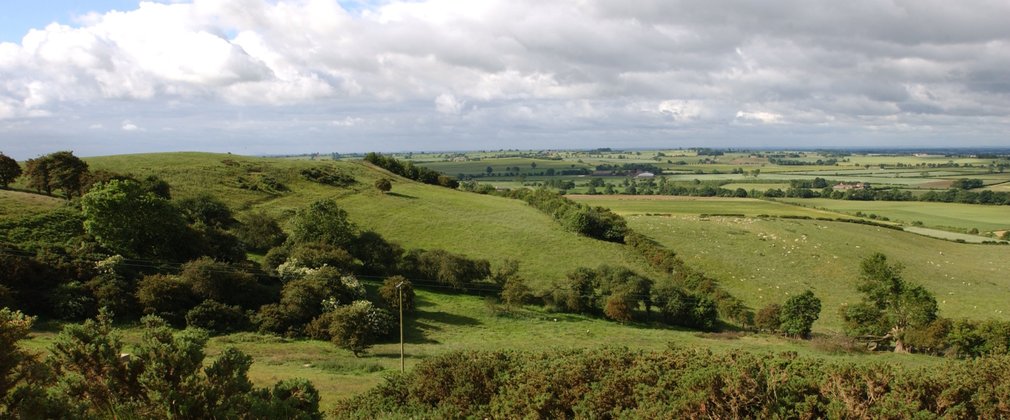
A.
x: 765, y: 260
x: 956, y: 216
x: 640, y: 204
x: 14, y: 204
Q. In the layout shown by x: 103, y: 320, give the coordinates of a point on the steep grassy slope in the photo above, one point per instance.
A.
x: 764, y: 260
x: 415, y: 215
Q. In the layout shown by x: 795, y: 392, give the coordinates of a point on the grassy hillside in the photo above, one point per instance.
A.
x: 15, y: 204
x: 415, y: 215
x: 765, y: 260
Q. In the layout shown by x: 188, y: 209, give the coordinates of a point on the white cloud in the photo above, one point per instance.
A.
x: 347, y: 122
x: 129, y: 126
x: 763, y: 117
x: 448, y: 104
x: 611, y: 68
x: 680, y: 110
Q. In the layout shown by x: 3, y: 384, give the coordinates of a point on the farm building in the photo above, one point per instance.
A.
x: 645, y: 175
x: 853, y: 186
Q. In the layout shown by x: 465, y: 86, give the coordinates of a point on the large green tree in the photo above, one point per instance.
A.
x: 60, y: 170
x: 37, y: 174
x: 323, y: 221
x: 890, y: 304
x: 128, y: 220
x: 799, y: 313
x: 67, y: 172
x: 9, y: 170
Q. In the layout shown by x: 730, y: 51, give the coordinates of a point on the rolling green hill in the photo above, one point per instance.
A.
x: 413, y: 214
x: 758, y: 260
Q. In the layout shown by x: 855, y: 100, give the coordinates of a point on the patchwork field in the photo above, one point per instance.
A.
x: 638, y: 204
x: 950, y: 215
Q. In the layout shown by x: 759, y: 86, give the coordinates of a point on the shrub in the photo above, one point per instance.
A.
x: 168, y: 297
x: 445, y: 267
x: 316, y: 254
x: 357, y: 326
x: 515, y: 292
x: 259, y: 232
x: 217, y: 317
x: 221, y: 282
x: 274, y: 258
x: 383, y: 184
x: 391, y: 295
x: 769, y: 318
x: 618, y: 307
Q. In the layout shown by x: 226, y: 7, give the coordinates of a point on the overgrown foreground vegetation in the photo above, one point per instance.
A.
x: 681, y: 383
x: 89, y: 375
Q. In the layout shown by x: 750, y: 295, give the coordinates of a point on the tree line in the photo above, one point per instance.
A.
x: 410, y: 171
x: 959, y: 193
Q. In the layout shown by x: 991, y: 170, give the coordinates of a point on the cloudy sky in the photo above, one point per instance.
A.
x: 264, y: 76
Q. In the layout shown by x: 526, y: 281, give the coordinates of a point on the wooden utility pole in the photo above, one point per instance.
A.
x: 399, y: 288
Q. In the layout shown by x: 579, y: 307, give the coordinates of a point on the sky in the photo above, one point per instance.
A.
x: 105, y: 77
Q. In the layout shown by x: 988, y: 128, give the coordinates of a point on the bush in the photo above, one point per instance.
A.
x: 618, y: 307
x: 515, y: 292
x: 357, y: 326
x: 168, y: 297
x: 274, y: 258
x: 217, y: 318
x: 391, y: 295
x: 769, y: 318
x: 315, y: 255
x: 221, y: 282
x: 378, y: 256
x: 383, y: 184
x: 444, y: 267
x: 259, y: 232
x: 304, y: 299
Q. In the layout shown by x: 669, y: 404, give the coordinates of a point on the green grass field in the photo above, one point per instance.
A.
x: 764, y: 260
x: 949, y: 215
x: 640, y: 204
x: 758, y: 186
x: 15, y: 204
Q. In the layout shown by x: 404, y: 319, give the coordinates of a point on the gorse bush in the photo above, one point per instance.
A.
x: 680, y: 383
x: 93, y: 374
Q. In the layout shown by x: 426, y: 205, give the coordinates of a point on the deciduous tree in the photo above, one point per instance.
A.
x: 799, y: 313
x: 135, y: 223
x: 9, y: 170
x: 890, y: 304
